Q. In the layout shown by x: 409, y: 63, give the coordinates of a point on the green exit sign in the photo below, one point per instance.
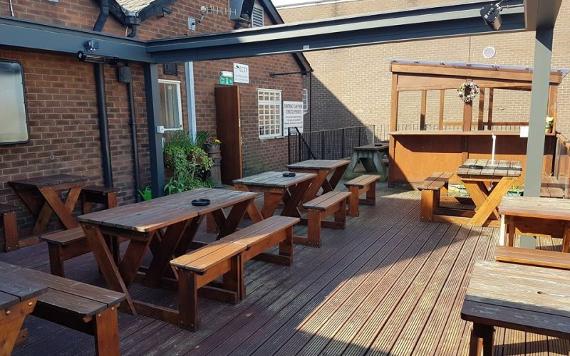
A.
x: 226, y: 78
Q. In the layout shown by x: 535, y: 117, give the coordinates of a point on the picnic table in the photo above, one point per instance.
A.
x: 487, y: 182
x: 328, y: 174
x: 532, y: 215
x: 42, y: 197
x: 18, y: 298
x: 167, y: 226
x: 276, y: 189
x: 371, y: 157
x: 525, y: 298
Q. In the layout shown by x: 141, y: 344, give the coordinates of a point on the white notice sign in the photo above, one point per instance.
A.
x: 292, y: 116
x: 241, y: 73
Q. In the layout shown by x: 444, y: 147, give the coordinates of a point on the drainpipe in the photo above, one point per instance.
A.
x: 128, y: 80
x: 103, y: 125
x: 103, y: 15
x: 99, y: 69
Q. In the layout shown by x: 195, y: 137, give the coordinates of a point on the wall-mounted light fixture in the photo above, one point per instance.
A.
x: 491, y: 14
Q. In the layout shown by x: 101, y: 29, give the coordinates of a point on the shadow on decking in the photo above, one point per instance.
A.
x: 359, y: 290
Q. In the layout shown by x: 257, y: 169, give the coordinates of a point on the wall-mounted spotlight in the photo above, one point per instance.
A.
x: 491, y: 14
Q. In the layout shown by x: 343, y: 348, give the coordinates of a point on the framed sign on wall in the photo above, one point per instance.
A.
x: 13, y: 116
x: 292, y: 116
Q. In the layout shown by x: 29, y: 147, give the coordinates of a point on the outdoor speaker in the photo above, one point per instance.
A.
x: 240, y: 10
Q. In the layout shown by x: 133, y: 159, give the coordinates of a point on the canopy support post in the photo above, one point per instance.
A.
x: 538, y: 110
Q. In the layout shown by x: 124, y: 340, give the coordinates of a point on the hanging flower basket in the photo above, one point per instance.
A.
x: 468, y: 91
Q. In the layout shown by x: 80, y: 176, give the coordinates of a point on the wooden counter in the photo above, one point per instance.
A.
x: 414, y: 155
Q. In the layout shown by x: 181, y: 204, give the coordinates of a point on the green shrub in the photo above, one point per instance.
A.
x: 189, y: 163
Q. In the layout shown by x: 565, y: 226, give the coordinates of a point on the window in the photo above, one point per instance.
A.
x: 13, y: 118
x: 305, y: 101
x: 170, y: 104
x: 257, y: 16
x: 269, y: 112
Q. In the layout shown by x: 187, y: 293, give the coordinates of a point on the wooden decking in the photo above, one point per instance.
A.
x: 387, y: 284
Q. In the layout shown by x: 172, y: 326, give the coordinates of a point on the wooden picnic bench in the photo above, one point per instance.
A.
x: 10, y: 226
x: 329, y: 173
x: 532, y: 257
x: 42, y: 197
x: 66, y: 244
x: 226, y: 257
x: 73, y: 304
x: 525, y: 298
x: 487, y: 182
x: 537, y: 216
x: 364, y: 184
x: 372, y: 157
x: 18, y: 297
x: 276, y: 189
x: 432, y: 188
x: 167, y: 227
x: 331, y: 203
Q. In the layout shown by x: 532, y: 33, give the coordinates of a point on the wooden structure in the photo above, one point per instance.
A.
x: 329, y: 172
x: 276, y: 189
x: 79, y: 306
x: 388, y: 282
x: 531, y: 299
x: 226, y: 257
x: 365, y: 184
x: 167, y: 226
x: 444, y: 147
x: 331, y: 203
x: 17, y: 301
x: 535, y: 216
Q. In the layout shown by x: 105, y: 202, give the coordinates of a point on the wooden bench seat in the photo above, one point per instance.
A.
x: 77, y: 305
x: 93, y: 194
x: 66, y: 244
x: 226, y: 258
x: 431, y: 189
x: 533, y: 257
x: 331, y: 203
x: 10, y: 226
x: 359, y: 185
x: 552, y: 187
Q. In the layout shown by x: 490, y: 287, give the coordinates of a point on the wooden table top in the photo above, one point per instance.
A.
x: 274, y: 179
x: 319, y: 164
x: 50, y: 181
x: 545, y: 208
x: 375, y: 147
x: 483, y: 168
x: 521, y: 297
x: 16, y: 288
x: 157, y: 213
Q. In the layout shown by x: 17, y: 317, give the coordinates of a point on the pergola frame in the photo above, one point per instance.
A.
x: 424, y: 77
x: 434, y: 22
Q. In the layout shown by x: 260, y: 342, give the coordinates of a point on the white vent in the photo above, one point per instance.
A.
x: 257, y: 16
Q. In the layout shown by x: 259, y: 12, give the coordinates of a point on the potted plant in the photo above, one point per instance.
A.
x: 549, y: 124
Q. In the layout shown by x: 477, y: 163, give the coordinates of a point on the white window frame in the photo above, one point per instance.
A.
x: 258, y: 7
x: 269, y: 102
x: 179, y: 94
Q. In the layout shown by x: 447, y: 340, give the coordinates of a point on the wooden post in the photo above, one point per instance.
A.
x: 480, y: 125
x: 467, y: 116
x: 423, y: 110
x: 441, y: 107
x: 490, y: 113
x: 394, y: 104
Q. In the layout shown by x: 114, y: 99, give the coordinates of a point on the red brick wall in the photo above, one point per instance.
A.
x: 62, y: 108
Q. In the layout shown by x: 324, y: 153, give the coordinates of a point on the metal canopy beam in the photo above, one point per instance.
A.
x: 36, y: 36
x: 445, y: 21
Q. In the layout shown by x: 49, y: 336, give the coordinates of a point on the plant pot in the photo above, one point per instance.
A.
x: 212, y: 148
